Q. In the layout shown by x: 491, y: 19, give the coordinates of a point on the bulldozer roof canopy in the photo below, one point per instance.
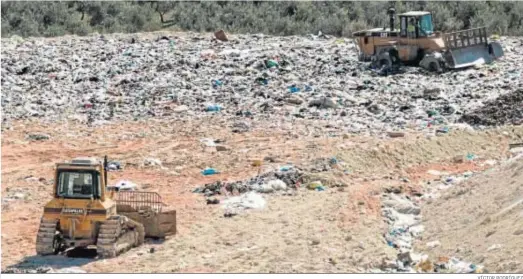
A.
x: 375, y: 32
x: 415, y: 13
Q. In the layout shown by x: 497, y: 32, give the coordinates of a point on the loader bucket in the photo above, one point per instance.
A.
x: 469, y: 56
x: 146, y: 208
x: 470, y: 47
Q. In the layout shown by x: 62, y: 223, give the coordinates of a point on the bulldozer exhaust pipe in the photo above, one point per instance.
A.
x: 391, y: 13
x: 105, y: 170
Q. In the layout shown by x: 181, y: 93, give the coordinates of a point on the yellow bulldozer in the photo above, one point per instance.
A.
x: 85, y: 212
x: 416, y: 43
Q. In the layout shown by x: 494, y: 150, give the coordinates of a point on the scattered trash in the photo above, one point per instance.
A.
x: 152, y: 162
x: 272, y: 64
x: 213, y: 201
x: 221, y: 148
x: 285, y: 168
x: 277, y: 185
x: 216, y: 83
x: 241, y: 127
x: 433, y: 244
x: 209, y: 171
x: 435, y: 172
x: 294, y: 89
x: 197, y: 190
x: 68, y: 270
x: 515, y: 145
x: 314, y: 184
x: 396, y: 134
x: 494, y: 247
x: 124, y: 185
x: 249, y: 200
x: 443, y: 130
x: 220, y: 35
x: 214, y: 108
x: 113, y: 166
x: 38, y: 136
x: 208, y: 142
x: 262, y: 81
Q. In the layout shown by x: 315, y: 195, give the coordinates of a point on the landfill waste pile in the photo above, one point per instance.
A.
x: 100, y: 79
x: 283, y: 179
x: 403, y: 214
x: 44, y: 269
x: 354, y: 169
x: 506, y: 109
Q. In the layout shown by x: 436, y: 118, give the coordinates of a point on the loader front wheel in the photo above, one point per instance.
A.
x: 434, y: 67
x: 384, y: 63
x: 431, y: 63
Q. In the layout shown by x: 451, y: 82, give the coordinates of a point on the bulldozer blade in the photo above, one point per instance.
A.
x: 146, y: 208
x: 469, y: 56
x: 156, y: 225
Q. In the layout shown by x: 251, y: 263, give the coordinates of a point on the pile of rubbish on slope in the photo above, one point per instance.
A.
x: 283, y: 179
x: 43, y: 269
x: 105, y: 78
x: 403, y: 215
x: 506, y: 109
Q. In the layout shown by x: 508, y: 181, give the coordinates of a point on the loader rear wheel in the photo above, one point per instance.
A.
x: 48, y: 239
x: 117, y: 235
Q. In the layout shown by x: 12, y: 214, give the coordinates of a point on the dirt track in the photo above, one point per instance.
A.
x: 281, y: 238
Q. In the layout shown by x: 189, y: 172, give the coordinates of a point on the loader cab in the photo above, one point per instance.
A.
x: 416, y: 24
x: 82, y: 178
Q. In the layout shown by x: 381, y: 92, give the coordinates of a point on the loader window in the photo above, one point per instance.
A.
x: 78, y: 184
x: 426, y: 25
x: 403, y: 26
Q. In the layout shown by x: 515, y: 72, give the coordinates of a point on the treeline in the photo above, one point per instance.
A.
x: 31, y: 18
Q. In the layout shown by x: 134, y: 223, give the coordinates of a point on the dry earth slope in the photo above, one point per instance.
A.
x: 481, y: 220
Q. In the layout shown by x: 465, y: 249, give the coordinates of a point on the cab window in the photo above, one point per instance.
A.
x: 78, y: 184
x: 426, y: 25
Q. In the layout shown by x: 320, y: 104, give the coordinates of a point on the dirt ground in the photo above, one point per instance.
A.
x: 339, y: 230
x: 481, y: 220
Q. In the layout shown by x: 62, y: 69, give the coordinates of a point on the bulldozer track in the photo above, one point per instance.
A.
x: 117, y: 235
x: 45, y: 237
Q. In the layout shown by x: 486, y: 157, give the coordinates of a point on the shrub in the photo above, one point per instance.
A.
x: 274, y: 18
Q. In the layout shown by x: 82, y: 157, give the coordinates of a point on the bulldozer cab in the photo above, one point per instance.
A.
x: 416, y: 24
x: 78, y: 184
x: 83, y: 178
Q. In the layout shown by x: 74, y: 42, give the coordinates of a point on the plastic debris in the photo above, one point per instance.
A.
x: 209, y: 171
x: 285, y: 168
x: 125, y: 185
x: 249, y: 200
x: 294, y: 89
x: 214, y: 108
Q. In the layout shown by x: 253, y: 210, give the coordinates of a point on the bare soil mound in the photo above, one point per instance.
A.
x: 480, y: 220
